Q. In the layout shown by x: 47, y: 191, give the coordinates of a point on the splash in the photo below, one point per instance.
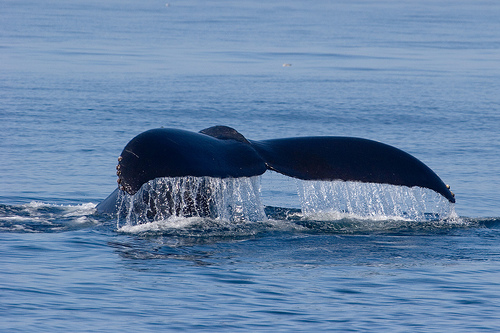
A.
x: 335, y: 200
x: 229, y: 199
x: 195, y: 199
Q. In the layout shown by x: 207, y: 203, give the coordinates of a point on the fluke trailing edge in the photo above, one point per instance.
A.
x: 222, y: 152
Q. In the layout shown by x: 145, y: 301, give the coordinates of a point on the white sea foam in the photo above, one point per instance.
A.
x: 173, y: 222
x: 80, y: 210
x: 85, y: 208
x: 39, y: 216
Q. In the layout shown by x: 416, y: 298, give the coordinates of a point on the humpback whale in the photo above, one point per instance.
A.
x: 222, y: 152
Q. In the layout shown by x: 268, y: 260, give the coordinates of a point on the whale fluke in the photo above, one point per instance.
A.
x: 348, y: 159
x: 223, y: 152
x: 167, y: 152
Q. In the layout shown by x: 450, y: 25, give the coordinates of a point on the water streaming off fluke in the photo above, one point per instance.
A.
x: 230, y: 199
x: 334, y: 200
x: 239, y: 200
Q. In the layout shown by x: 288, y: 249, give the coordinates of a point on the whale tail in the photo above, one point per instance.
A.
x: 340, y: 158
x: 348, y: 159
x: 223, y: 152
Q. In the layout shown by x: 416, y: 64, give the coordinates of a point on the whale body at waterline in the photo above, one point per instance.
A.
x: 222, y: 152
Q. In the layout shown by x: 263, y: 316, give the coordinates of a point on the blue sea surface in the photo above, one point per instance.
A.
x: 79, y: 79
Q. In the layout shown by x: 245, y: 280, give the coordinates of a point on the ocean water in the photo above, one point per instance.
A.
x: 79, y: 79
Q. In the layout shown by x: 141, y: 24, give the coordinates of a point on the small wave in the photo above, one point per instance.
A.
x: 38, y: 216
x: 482, y: 222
